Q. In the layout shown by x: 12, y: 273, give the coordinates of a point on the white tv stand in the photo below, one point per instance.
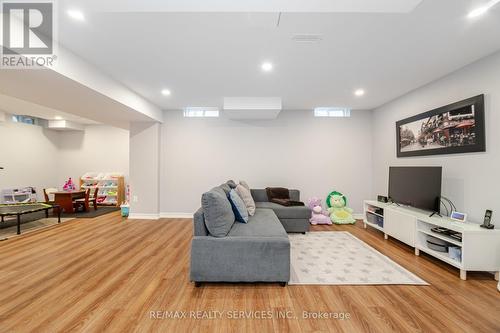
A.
x: 480, y: 247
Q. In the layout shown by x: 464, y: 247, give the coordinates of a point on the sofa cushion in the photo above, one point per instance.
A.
x: 219, y: 216
x: 263, y: 224
x: 283, y: 212
x: 259, y: 195
x: 246, y: 196
x: 295, y: 225
x: 239, y: 208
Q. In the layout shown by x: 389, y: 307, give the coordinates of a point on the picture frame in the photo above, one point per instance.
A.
x: 452, y: 129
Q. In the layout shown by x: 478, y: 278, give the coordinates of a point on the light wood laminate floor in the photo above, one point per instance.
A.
x: 105, y: 274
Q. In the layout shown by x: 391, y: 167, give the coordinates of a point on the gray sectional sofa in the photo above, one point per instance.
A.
x: 294, y: 219
x: 257, y: 251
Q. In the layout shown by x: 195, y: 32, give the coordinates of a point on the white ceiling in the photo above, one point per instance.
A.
x: 204, y: 57
x: 44, y: 90
x: 360, y: 6
x: 17, y: 106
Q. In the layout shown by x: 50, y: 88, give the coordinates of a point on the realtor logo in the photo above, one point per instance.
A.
x: 27, y: 34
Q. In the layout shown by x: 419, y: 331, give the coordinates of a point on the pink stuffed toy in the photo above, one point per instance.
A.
x: 318, y: 215
x: 69, y: 185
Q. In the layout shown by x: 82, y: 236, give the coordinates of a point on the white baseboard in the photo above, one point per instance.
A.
x: 172, y: 215
x: 143, y: 216
x: 358, y: 216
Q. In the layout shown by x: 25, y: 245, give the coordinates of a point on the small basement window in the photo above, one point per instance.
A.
x: 25, y: 119
x: 198, y: 112
x: 332, y: 112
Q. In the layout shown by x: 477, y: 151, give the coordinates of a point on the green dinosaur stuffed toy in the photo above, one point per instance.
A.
x: 339, y: 213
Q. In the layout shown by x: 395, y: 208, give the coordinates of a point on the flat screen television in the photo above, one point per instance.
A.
x: 418, y: 187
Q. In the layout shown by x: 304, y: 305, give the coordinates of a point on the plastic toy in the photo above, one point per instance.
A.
x: 318, y: 215
x: 69, y: 185
x: 125, y: 207
x: 337, y: 207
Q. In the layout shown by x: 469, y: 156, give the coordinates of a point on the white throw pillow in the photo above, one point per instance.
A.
x: 246, y: 196
x: 244, y: 184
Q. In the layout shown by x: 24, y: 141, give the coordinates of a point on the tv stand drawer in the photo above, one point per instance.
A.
x: 400, y: 226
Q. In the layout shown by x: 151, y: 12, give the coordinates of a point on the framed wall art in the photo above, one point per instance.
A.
x: 451, y: 129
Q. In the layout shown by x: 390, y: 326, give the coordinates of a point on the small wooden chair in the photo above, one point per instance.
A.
x: 93, y: 198
x: 47, y: 192
x: 82, y: 203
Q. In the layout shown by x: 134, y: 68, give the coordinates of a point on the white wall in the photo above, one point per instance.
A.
x: 145, y: 170
x: 35, y: 156
x: 470, y: 180
x: 98, y: 148
x: 297, y: 150
x: 29, y: 155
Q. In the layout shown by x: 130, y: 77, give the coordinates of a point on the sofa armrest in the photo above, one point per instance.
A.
x: 199, y: 228
x: 238, y: 259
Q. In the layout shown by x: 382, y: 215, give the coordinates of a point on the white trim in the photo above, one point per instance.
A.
x: 143, y: 216
x: 173, y: 215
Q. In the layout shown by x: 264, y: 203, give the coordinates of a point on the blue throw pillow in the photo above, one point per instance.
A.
x: 239, y: 208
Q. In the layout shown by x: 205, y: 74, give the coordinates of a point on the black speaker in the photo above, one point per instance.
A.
x: 382, y: 198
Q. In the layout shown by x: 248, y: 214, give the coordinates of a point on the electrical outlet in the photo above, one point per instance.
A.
x: 135, y: 198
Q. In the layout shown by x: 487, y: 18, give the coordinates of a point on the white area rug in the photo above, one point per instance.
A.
x: 339, y: 258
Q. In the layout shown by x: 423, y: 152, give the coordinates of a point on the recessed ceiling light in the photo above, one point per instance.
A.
x: 166, y: 92
x: 76, y: 15
x: 58, y: 118
x: 267, y: 66
x: 359, y: 92
x: 481, y: 10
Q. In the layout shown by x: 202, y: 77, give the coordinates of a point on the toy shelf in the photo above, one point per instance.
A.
x: 111, y: 187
